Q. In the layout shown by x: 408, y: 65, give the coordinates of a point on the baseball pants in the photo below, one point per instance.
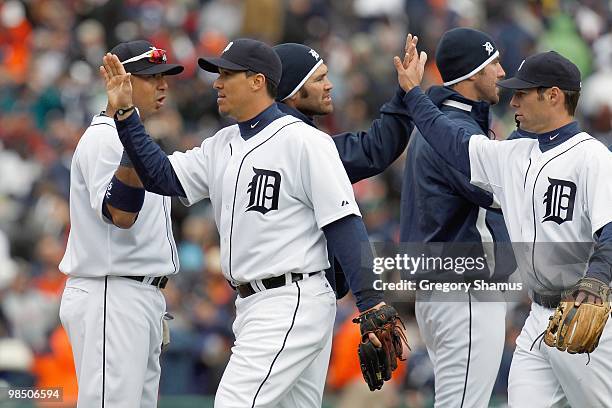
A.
x: 282, y: 348
x: 115, y: 330
x: 546, y: 377
x: 465, y: 342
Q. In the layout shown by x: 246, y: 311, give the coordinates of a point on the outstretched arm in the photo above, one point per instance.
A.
x: 149, y: 162
x: 367, y: 153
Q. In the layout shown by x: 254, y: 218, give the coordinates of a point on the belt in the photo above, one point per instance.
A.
x: 549, y: 301
x: 159, y: 281
x: 248, y: 289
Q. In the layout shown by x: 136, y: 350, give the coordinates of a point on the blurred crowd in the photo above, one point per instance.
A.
x: 50, y: 51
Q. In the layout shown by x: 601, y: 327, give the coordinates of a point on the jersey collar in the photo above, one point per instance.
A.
x: 251, y: 127
x: 554, y: 138
x: 103, y: 119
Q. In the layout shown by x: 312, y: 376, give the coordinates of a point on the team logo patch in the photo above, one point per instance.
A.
x: 559, y: 200
x: 488, y: 47
x: 227, y: 47
x: 264, y: 190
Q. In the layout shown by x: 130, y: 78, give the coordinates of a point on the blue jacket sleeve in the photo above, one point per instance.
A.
x: 367, y: 153
x: 600, y: 263
x: 150, y: 162
x: 449, y: 139
x: 348, y: 239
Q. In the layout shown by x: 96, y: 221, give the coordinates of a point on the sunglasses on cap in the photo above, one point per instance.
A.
x: 154, y: 55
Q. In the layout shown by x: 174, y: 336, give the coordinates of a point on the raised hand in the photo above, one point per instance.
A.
x: 118, y: 85
x: 410, y: 70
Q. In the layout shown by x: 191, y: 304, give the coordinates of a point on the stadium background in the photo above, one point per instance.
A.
x: 49, y: 89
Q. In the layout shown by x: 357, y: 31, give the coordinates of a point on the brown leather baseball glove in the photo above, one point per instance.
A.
x: 578, y: 329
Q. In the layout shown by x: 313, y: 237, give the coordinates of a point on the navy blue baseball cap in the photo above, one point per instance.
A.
x: 245, y: 54
x: 142, y: 58
x: 463, y: 52
x: 299, y: 63
x: 546, y: 69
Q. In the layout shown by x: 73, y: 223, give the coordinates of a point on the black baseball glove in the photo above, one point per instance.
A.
x: 378, y: 363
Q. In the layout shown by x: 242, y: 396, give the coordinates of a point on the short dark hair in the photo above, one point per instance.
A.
x: 270, y: 86
x: 571, y: 99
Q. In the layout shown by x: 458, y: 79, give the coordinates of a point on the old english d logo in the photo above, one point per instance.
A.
x: 264, y: 190
x: 559, y: 200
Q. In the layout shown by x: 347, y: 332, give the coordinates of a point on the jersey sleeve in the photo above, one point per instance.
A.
x: 98, y: 156
x: 598, y: 188
x: 485, y: 159
x: 193, y: 171
x: 324, y: 180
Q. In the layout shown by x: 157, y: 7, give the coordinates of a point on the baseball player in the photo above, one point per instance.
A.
x: 553, y: 188
x: 440, y: 205
x: 278, y: 193
x: 304, y: 91
x: 112, y: 306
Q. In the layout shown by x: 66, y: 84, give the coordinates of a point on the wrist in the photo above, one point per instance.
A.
x: 124, y: 112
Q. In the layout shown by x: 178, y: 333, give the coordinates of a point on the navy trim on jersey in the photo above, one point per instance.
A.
x: 104, y: 342
x: 282, y: 347
x: 236, y: 190
x: 102, y: 123
x: 251, y: 127
x: 533, y: 204
x: 168, y: 230
x: 526, y: 173
x: 467, y: 368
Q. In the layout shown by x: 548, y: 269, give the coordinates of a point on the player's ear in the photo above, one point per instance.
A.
x: 258, y: 81
x: 555, y: 96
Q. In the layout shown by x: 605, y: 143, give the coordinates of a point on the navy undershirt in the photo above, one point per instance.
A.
x: 251, y: 127
x: 554, y: 138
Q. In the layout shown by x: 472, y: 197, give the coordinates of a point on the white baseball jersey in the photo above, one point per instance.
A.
x: 95, y: 246
x: 271, y: 195
x: 561, y: 196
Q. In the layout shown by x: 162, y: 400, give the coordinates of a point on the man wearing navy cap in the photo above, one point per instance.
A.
x: 278, y: 193
x: 112, y: 306
x: 555, y: 193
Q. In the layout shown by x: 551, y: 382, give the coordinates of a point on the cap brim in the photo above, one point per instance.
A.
x: 166, y: 69
x: 515, y: 83
x: 213, y: 65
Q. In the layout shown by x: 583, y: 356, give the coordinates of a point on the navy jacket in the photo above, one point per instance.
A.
x: 438, y: 202
x: 365, y: 154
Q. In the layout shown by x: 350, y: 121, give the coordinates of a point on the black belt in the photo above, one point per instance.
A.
x: 159, y: 281
x: 549, y: 301
x: 246, y: 290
